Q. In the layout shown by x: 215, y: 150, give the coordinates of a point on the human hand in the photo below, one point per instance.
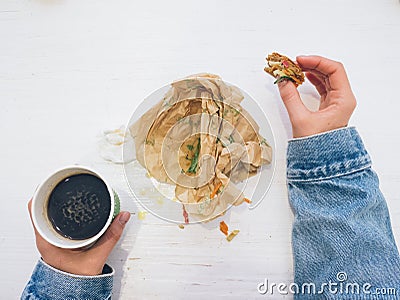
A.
x: 337, y: 101
x: 82, y: 261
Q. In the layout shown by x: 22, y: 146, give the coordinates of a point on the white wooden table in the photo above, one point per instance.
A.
x: 71, y: 69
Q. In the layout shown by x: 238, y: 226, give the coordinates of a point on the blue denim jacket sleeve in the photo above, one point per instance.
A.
x: 47, y: 282
x: 342, y: 239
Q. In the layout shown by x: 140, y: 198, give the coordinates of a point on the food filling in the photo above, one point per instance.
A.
x: 283, y: 68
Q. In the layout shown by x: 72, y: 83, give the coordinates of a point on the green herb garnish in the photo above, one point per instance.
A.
x: 149, y: 142
x: 195, y: 159
x: 231, y: 140
x: 264, y: 142
x: 282, y: 78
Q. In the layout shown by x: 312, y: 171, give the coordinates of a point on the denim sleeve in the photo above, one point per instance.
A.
x: 342, y: 239
x: 47, y: 282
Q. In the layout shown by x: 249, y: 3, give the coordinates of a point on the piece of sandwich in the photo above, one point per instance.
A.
x: 282, y: 68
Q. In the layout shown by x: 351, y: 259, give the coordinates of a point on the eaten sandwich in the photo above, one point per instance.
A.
x: 283, y: 68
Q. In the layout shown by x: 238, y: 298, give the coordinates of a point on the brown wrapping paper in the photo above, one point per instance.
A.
x: 199, y: 138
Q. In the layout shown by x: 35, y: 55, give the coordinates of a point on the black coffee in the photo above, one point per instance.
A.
x: 79, y: 206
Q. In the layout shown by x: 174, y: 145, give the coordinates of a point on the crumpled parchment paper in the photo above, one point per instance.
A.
x: 199, y: 138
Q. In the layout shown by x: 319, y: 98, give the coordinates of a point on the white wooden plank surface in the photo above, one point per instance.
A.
x: 71, y: 69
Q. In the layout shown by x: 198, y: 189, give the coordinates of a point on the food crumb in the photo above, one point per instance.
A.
x: 223, y: 227
x: 181, y: 226
x: 185, y: 214
x: 232, y: 235
x: 247, y: 200
x: 142, y: 215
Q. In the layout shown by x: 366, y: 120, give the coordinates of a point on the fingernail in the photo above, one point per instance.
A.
x: 124, y: 217
x: 282, y: 83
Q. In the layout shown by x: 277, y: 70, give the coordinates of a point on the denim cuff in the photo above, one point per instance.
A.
x: 50, y: 283
x: 326, y: 155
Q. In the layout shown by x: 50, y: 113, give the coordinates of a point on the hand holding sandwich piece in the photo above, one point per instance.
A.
x: 337, y: 101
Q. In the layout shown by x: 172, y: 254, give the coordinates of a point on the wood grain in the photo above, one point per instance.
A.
x: 71, y: 69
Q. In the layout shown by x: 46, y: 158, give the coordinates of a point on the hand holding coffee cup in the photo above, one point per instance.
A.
x: 77, y: 234
x: 82, y: 261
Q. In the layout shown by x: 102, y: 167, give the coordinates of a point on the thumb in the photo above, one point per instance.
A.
x: 292, y: 101
x: 109, y: 239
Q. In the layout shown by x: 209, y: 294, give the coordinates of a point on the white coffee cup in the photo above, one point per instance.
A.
x: 40, y: 203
